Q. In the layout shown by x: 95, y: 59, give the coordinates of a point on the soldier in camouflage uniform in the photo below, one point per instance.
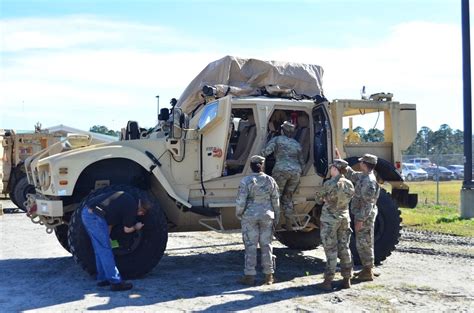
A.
x: 258, y: 207
x: 336, y: 194
x: 364, y: 210
x: 289, y: 162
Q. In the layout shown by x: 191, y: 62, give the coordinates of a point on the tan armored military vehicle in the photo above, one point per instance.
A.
x: 191, y: 163
x: 16, y: 147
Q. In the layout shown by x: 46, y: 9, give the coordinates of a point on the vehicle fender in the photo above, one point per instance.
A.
x: 82, y: 158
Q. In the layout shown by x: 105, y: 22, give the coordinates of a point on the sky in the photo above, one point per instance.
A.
x: 83, y: 63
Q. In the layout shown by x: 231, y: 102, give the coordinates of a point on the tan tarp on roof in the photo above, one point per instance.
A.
x: 305, y: 79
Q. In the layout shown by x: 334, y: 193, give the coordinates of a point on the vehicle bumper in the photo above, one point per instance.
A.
x: 49, y: 207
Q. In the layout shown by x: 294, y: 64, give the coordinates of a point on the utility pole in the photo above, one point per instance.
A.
x: 467, y: 190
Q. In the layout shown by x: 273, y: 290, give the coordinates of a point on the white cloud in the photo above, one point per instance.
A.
x: 419, y: 62
x: 82, y: 30
x: 81, y: 71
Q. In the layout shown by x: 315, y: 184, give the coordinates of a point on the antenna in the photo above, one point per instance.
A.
x: 363, y: 95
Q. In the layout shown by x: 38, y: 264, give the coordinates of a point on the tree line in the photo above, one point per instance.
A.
x: 445, y: 140
x: 100, y: 129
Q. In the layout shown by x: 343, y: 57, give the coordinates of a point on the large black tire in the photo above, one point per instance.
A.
x: 387, y: 229
x: 138, y: 254
x: 20, y: 190
x: 299, y: 240
x: 11, y: 194
x: 61, y: 234
x: 13, y: 180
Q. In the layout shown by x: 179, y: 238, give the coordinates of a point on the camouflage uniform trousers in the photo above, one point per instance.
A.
x: 335, y: 236
x: 365, y: 240
x: 287, y: 183
x: 258, y: 231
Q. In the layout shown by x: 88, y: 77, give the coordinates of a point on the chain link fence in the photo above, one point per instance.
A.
x: 439, y: 188
x: 438, y: 159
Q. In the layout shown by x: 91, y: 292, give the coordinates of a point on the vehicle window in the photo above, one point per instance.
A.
x: 208, y: 115
x: 242, y: 134
x: 301, y: 134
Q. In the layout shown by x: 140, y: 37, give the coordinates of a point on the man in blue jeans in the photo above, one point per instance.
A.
x: 99, y: 216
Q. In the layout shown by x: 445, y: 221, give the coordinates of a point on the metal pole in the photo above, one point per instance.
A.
x: 467, y: 190
x: 466, y: 73
x: 437, y: 178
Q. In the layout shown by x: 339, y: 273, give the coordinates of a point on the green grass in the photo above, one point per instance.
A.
x: 442, y: 217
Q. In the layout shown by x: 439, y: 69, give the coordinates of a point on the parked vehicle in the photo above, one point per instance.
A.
x: 15, y: 149
x: 421, y: 162
x: 183, y: 166
x: 442, y: 172
x: 412, y: 172
x: 458, y: 170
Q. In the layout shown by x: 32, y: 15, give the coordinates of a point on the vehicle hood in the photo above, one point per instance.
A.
x: 419, y: 171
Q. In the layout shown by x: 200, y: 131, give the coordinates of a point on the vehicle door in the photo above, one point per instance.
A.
x: 213, y: 130
x: 322, y: 139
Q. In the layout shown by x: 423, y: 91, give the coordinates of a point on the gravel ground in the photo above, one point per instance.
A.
x: 428, y: 272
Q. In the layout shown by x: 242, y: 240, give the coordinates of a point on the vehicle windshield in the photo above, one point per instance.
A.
x: 411, y: 167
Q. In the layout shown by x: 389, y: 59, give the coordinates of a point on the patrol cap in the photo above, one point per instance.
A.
x: 257, y: 159
x: 287, y: 126
x: 368, y: 158
x: 339, y: 164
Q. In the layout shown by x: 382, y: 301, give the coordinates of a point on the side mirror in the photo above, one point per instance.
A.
x: 164, y: 114
x: 177, y: 123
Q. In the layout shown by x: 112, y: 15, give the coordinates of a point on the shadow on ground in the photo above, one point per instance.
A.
x: 40, y: 283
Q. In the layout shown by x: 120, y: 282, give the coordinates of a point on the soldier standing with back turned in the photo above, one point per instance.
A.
x: 289, y: 162
x: 258, y: 206
x: 364, y: 209
x: 336, y: 193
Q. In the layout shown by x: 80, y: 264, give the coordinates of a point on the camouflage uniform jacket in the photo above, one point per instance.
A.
x: 366, y: 194
x: 337, y: 193
x: 288, y: 154
x: 258, y: 197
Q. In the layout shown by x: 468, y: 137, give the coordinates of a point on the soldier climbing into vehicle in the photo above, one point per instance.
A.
x: 289, y: 162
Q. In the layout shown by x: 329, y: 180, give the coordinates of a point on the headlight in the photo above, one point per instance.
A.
x: 44, y: 176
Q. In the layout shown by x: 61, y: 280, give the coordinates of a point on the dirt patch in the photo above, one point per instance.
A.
x: 428, y: 272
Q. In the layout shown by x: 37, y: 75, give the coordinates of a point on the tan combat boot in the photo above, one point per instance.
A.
x: 346, y: 283
x: 269, y: 279
x: 365, y: 275
x: 326, y: 285
x: 248, y: 280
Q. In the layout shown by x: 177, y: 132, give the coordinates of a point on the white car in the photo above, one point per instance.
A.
x: 421, y: 162
x: 458, y: 170
x: 412, y: 172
